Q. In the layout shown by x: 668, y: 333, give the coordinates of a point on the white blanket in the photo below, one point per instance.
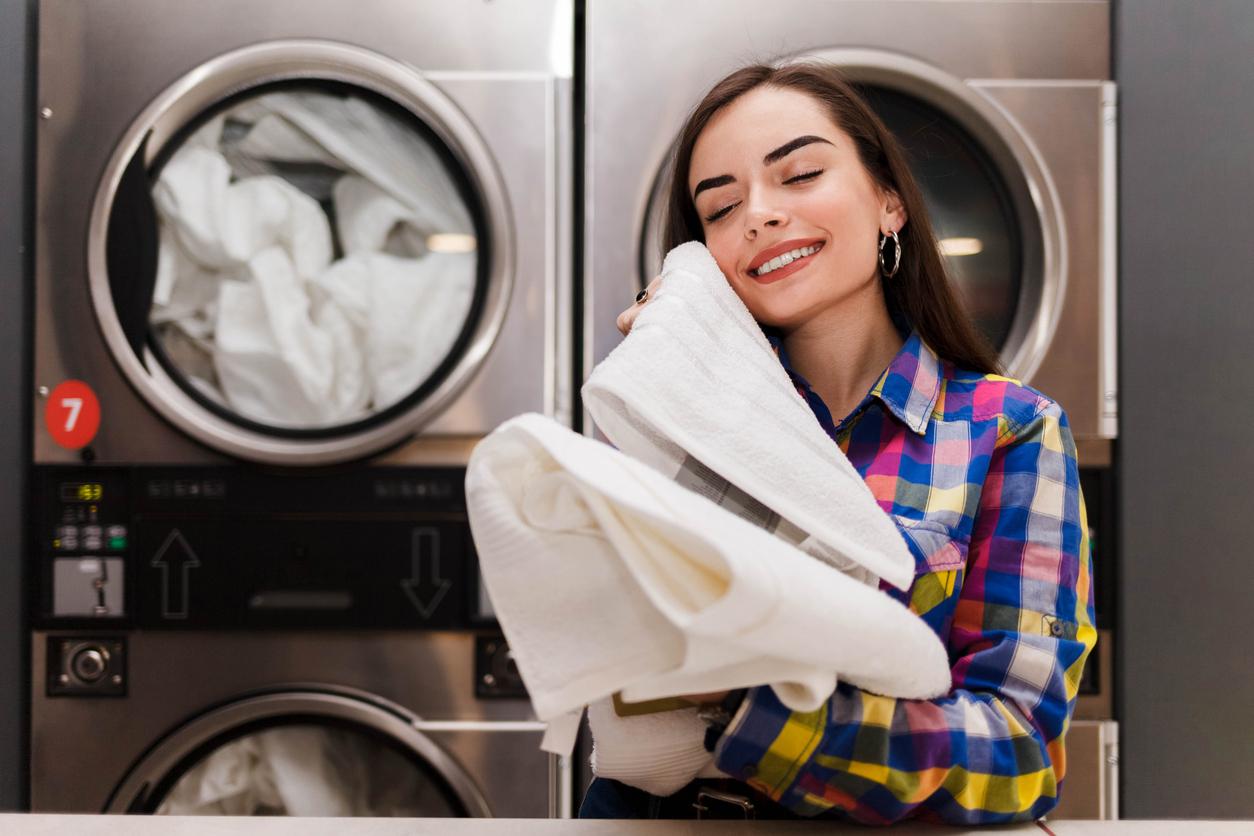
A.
x: 696, y: 379
x: 607, y: 576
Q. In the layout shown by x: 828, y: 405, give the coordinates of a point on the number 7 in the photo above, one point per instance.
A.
x: 75, y: 406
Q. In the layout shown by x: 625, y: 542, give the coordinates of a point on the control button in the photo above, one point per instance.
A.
x: 158, y: 489
x: 116, y: 537
x: 86, y: 666
x: 90, y: 664
x: 92, y: 539
x: 92, y: 531
x: 214, y: 488
x: 66, y: 538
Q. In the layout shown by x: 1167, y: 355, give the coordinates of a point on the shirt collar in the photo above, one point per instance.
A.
x: 909, y: 387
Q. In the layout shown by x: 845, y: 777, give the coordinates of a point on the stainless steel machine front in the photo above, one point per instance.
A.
x: 1007, y: 112
x: 305, y: 235
x: 308, y: 723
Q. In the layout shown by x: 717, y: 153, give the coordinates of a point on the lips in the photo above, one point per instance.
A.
x: 779, y: 249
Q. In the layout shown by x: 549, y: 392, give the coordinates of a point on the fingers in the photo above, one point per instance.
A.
x: 628, y: 317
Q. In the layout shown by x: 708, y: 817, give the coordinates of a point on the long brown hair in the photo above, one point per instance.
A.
x: 920, y: 294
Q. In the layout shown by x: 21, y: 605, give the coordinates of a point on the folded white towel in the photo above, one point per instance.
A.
x: 607, y: 576
x: 695, y: 390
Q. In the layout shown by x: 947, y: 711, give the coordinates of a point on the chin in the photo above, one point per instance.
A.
x: 773, y: 317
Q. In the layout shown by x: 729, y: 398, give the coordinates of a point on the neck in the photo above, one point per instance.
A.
x: 843, y: 351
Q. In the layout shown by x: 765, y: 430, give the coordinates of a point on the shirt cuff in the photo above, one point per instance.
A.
x: 743, y: 749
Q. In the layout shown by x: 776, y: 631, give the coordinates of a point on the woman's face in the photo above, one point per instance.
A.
x: 772, y: 175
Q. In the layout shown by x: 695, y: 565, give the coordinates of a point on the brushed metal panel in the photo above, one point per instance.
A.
x: 82, y: 747
x: 1070, y: 371
x: 1015, y: 38
x: 1091, y: 787
x: 478, y: 35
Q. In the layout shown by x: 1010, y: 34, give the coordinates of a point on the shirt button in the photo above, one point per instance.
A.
x: 1056, y: 628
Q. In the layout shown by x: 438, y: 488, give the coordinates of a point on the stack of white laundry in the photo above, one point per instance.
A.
x: 304, y: 770
x: 727, y: 542
x: 251, y: 302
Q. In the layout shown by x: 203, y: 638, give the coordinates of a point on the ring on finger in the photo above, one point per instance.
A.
x: 642, y: 296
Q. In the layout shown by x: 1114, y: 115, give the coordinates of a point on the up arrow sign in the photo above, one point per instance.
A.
x: 175, y: 559
x: 425, y: 588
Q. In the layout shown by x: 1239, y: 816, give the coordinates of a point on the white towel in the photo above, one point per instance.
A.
x: 696, y: 380
x: 607, y: 576
x: 659, y: 753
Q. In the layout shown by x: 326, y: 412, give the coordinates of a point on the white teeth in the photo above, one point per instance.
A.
x: 787, y: 258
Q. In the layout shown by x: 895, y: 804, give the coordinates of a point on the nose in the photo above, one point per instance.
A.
x: 760, y: 214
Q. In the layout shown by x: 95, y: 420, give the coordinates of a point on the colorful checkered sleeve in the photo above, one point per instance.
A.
x: 991, y: 750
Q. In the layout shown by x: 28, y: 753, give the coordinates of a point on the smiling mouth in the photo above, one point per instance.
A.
x: 784, y: 259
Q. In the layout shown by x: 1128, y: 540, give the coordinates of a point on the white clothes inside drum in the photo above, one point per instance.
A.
x: 305, y: 771
x: 251, y: 303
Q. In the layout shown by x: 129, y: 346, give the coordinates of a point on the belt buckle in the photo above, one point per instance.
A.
x: 739, y: 801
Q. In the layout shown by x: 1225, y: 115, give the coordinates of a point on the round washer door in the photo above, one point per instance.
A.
x: 300, y: 252
x: 991, y: 200
x: 300, y: 753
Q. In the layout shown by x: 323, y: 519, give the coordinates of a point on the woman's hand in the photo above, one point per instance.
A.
x: 627, y: 317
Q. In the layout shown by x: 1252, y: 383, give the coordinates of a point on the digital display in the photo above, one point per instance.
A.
x: 81, y: 491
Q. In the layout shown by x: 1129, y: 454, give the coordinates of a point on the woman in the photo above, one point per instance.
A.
x: 806, y: 203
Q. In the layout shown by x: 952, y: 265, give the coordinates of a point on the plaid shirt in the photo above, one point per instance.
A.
x: 979, y: 473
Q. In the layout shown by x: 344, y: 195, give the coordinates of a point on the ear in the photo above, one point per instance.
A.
x: 893, y: 214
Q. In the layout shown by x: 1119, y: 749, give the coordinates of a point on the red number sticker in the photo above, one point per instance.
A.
x: 72, y: 414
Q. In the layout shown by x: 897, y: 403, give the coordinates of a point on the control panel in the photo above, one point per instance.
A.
x: 241, y: 548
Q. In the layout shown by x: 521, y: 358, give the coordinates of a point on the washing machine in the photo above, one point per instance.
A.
x: 292, y: 260
x: 1006, y: 110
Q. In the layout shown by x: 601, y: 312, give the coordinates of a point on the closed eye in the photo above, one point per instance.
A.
x: 804, y: 176
x: 721, y: 212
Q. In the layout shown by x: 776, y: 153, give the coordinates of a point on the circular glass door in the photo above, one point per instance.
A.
x: 300, y: 264
x: 976, y: 224
x: 300, y: 753
x: 317, y: 263
x: 306, y: 769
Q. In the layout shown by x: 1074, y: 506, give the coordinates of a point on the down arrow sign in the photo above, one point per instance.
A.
x: 425, y: 588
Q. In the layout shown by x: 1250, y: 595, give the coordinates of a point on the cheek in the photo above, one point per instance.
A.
x: 723, y: 247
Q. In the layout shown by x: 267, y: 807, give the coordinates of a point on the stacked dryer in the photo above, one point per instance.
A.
x: 296, y: 258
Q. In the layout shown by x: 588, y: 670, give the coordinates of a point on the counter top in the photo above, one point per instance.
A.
x: 18, y: 824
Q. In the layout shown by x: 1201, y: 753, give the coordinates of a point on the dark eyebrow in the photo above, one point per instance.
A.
x: 790, y: 146
x: 712, y: 183
x: 773, y: 157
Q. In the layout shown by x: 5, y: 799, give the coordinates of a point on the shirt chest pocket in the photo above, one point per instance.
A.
x: 940, y: 561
